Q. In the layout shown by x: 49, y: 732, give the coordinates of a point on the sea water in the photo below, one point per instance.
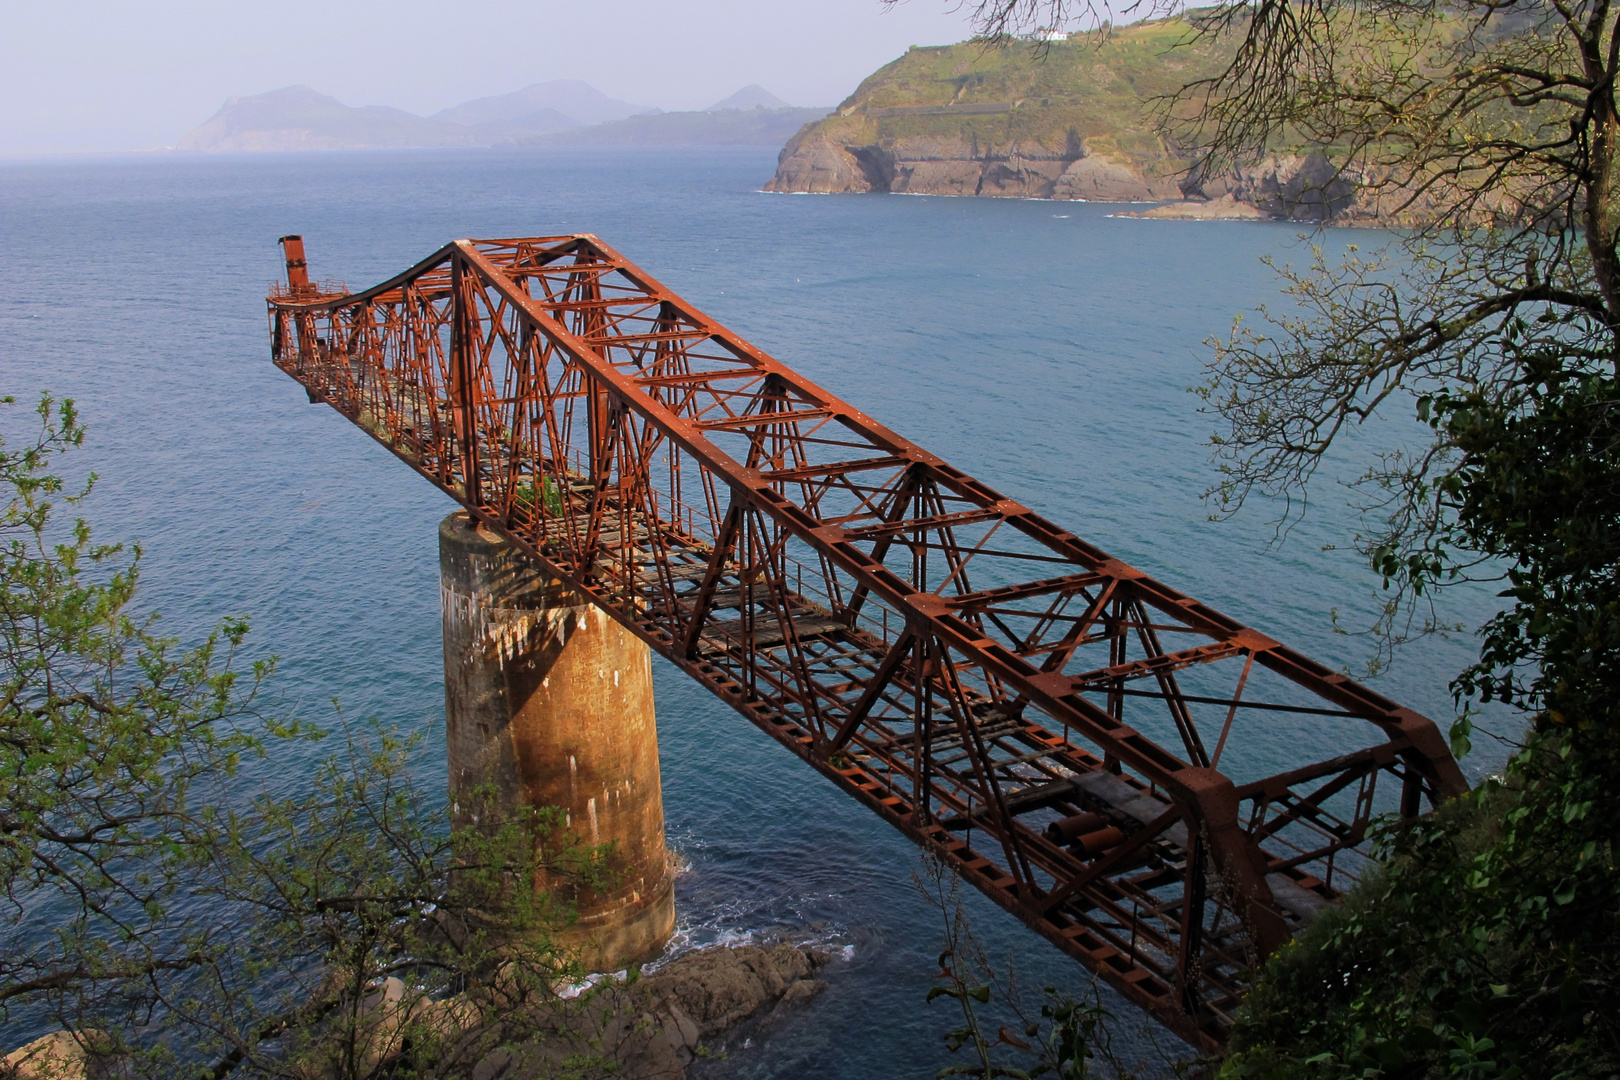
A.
x: 1046, y: 348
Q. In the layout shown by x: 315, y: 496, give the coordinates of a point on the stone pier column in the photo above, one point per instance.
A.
x: 550, y: 702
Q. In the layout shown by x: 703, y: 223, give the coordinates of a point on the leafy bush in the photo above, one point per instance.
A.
x: 1484, y: 947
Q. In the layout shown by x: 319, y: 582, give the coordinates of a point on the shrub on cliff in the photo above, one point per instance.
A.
x: 1484, y: 947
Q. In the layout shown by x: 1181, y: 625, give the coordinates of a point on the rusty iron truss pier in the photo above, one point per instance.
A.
x: 1074, y: 738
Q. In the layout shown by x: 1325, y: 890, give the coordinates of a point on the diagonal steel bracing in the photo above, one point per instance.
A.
x: 1049, y: 720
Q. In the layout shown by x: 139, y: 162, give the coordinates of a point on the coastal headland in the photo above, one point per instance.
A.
x: 1074, y: 119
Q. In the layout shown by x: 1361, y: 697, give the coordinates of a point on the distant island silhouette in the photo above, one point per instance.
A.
x: 557, y: 113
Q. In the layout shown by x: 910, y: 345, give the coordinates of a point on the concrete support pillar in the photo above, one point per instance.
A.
x: 550, y: 702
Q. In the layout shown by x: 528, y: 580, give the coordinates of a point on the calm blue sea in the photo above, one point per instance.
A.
x: 1044, y: 347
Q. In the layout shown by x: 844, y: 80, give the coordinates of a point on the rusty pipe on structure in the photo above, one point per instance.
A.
x: 292, y: 247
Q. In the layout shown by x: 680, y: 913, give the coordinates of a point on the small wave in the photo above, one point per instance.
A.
x: 718, y: 934
x: 677, y: 861
x: 573, y: 990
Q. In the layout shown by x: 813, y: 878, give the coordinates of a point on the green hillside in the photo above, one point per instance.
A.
x: 1032, y: 109
x: 1096, y: 87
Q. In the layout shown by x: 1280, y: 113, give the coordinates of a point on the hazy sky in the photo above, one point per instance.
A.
x: 82, y: 75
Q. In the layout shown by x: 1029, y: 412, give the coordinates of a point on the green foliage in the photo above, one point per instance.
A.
x: 1101, y: 90
x: 1489, y: 943
x: 159, y: 893
x: 105, y: 728
x: 367, y: 937
x: 547, y: 495
x: 1063, y: 1039
x: 1446, y: 116
x: 1484, y: 946
x: 1538, y: 487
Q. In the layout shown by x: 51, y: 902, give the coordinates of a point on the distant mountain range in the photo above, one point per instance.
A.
x: 752, y: 96
x: 573, y: 102
x: 559, y: 112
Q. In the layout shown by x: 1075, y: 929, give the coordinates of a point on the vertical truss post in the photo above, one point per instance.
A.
x: 719, y: 555
x: 587, y: 287
x: 922, y: 726
x: 464, y: 378
x: 1114, y: 630
x: 1190, y: 962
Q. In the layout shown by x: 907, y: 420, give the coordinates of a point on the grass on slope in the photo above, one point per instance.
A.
x: 1097, y: 90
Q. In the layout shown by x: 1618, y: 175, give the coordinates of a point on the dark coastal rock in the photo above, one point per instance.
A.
x: 722, y: 987
x: 813, y: 164
x: 1097, y: 179
x: 653, y: 1028
x: 920, y: 165
x: 798, y: 992
x: 1293, y: 187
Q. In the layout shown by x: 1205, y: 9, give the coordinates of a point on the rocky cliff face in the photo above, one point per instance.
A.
x: 817, y: 160
x: 1296, y: 187
x: 1290, y: 187
x: 1075, y: 122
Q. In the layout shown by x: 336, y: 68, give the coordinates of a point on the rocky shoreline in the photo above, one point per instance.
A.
x: 653, y: 1027
x: 1293, y: 187
x: 656, y: 1026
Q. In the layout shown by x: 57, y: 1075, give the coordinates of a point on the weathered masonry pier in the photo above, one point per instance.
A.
x: 549, y: 703
x: 1080, y: 742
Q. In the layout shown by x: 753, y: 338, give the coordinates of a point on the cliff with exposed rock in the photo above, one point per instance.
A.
x: 1059, y: 120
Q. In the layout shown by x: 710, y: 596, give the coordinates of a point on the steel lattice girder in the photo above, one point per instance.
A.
x: 1006, y: 694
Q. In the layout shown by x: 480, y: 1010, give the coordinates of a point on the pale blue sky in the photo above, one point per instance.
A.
x: 87, y: 75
